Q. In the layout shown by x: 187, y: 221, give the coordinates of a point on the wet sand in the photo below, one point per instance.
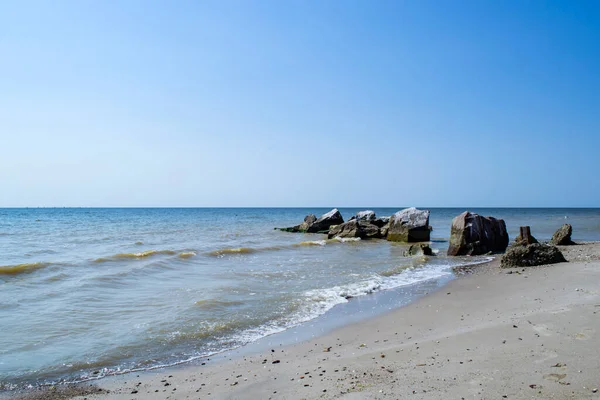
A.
x: 493, y: 333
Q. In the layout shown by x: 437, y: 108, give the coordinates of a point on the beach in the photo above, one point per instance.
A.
x: 492, y: 333
x: 107, y: 291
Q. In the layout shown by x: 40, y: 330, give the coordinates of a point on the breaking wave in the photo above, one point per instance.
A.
x: 239, y: 250
x: 308, y: 243
x: 22, y: 268
x: 311, y: 243
x: 141, y: 254
x: 346, y: 240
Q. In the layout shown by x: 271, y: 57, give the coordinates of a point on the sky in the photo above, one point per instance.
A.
x: 299, y: 103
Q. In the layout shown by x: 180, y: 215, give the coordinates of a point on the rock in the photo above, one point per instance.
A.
x: 409, y: 225
x: 289, y: 229
x: 381, y: 221
x: 525, y: 237
x: 383, y: 231
x: 355, y: 228
x: 384, y: 225
x: 531, y: 255
x: 420, y: 249
x: 472, y: 234
x: 366, y: 215
x: 562, y: 237
x: 369, y: 230
x: 308, y: 221
x: 313, y: 225
x: 303, y: 227
x: 323, y: 224
x: 348, y: 229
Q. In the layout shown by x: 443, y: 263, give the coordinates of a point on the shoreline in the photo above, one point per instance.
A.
x: 358, y: 308
x: 505, y: 332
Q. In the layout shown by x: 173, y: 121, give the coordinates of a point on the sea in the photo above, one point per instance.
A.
x: 93, y: 292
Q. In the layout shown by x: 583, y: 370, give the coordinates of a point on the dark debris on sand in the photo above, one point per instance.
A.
x: 62, y: 392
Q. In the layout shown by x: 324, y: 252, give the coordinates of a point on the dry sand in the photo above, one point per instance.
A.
x: 492, y: 334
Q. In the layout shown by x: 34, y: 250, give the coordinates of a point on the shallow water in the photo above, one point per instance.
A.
x: 90, y: 292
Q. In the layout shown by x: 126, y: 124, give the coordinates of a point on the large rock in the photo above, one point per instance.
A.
x: 313, y: 225
x: 471, y: 234
x: 531, y: 255
x: 369, y: 230
x: 308, y: 221
x: 381, y: 221
x: 419, y: 249
x: 409, y: 225
x: 562, y: 237
x: 355, y: 228
x: 323, y: 224
x: 303, y: 227
x: 348, y: 229
x: 366, y: 215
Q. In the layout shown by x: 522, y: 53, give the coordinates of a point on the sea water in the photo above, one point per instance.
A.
x: 86, y: 293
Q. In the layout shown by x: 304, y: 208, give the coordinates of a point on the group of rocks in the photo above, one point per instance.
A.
x: 528, y: 252
x: 471, y: 234
x: 408, y: 225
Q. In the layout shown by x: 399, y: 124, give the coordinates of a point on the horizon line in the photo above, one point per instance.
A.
x: 284, y: 207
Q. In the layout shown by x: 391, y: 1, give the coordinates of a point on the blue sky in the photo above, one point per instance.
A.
x: 300, y: 103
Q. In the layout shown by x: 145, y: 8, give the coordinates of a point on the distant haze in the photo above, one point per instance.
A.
x: 300, y: 103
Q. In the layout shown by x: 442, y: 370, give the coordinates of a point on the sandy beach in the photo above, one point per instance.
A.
x: 492, y: 333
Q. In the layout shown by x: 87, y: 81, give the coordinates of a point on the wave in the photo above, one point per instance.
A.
x: 251, y: 250
x: 187, y: 254
x: 223, y: 335
x: 22, y: 268
x: 142, y: 254
x: 44, y: 251
x: 239, y: 250
x: 395, y: 270
x: 242, y: 250
x: 346, y: 240
x: 212, y: 303
x: 311, y: 243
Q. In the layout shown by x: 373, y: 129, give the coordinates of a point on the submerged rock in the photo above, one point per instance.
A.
x: 409, y: 225
x: 471, y: 234
x: 531, y: 255
x: 562, y: 237
x: 419, y: 249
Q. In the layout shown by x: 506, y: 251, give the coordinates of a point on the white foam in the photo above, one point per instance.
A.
x: 316, y: 242
x: 344, y: 240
